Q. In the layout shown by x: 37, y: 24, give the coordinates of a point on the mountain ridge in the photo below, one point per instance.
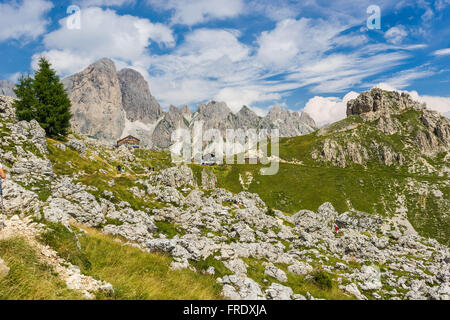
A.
x: 144, y: 116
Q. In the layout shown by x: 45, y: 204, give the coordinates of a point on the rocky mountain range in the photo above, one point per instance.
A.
x: 108, y: 105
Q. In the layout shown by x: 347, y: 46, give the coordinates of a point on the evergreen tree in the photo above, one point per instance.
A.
x: 44, y: 99
x: 26, y: 105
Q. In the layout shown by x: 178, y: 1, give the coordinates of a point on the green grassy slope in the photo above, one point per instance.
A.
x: 373, y: 187
x: 29, y: 278
x: 134, y: 274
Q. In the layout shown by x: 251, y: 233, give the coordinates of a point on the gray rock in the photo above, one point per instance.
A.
x: 7, y: 88
x: 77, y: 145
x: 241, y: 288
x: 274, y: 272
x: 360, y: 221
x: 7, y: 111
x: 137, y: 100
x: 300, y: 268
x: 353, y: 290
x: 176, y: 177
x: 209, y: 179
x: 277, y: 291
x: 237, y: 266
x: 4, y: 269
x: 211, y: 271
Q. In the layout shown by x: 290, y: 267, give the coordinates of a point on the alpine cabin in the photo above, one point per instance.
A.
x: 129, y: 141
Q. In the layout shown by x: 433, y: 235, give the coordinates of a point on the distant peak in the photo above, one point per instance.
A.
x: 104, y: 61
x: 246, y: 111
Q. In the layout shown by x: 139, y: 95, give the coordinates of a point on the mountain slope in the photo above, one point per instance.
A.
x: 393, y: 161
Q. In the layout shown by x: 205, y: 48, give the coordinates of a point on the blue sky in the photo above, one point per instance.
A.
x: 311, y: 55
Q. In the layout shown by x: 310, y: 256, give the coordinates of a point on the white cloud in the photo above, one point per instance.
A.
x: 103, y: 33
x: 440, y: 104
x: 442, y: 52
x: 396, y: 34
x: 211, y: 45
x: 275, y: 10
x: 199, y: 68
x: 236, y: 98
x: 294, y: 41
x: 191, y: 12
x: 404, y: 78
x: 296, y: 53
x: 325, y: 110
x: 23, y: 20
x: 106, y: 3
x: 441, y: 4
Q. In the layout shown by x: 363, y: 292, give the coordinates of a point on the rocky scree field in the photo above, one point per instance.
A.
x: 171, y: 234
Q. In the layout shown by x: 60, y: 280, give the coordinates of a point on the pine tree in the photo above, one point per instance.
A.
x: 26, y: 105
x: 53, y: 111
x: 44, y: 99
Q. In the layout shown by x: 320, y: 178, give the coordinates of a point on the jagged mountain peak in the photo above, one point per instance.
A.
x: 138, y: 102
x: 214, y: 109
x: 377, y: 101
x: 247, y: 112
x: 104, y: 64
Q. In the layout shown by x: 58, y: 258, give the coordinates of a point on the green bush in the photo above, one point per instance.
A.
x: 322, y: 280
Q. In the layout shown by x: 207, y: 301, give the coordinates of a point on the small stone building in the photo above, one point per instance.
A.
x: 129, y: 141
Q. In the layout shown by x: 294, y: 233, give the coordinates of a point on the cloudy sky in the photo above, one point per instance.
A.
x: 302, y: 55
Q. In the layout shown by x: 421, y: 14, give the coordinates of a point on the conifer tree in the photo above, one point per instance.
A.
x: 44, y: 99
x: 26, y: 104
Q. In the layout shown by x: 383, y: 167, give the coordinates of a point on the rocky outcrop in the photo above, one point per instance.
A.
x: 175, y: 177
x: 174, y: 119
x: 388, y: 127
x: 7, y: 88
x: 340, y: 155
x: 77, y: 145
x: 436, y: 137
x: 209, y: 179
x: 137, y: 100
x: 96, y: 99
x: 376, y: 102
x: 238, y: 288
x: 7, y: 111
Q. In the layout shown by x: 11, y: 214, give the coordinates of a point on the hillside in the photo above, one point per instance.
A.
x: 176, y: 234
x: 393, y: 162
